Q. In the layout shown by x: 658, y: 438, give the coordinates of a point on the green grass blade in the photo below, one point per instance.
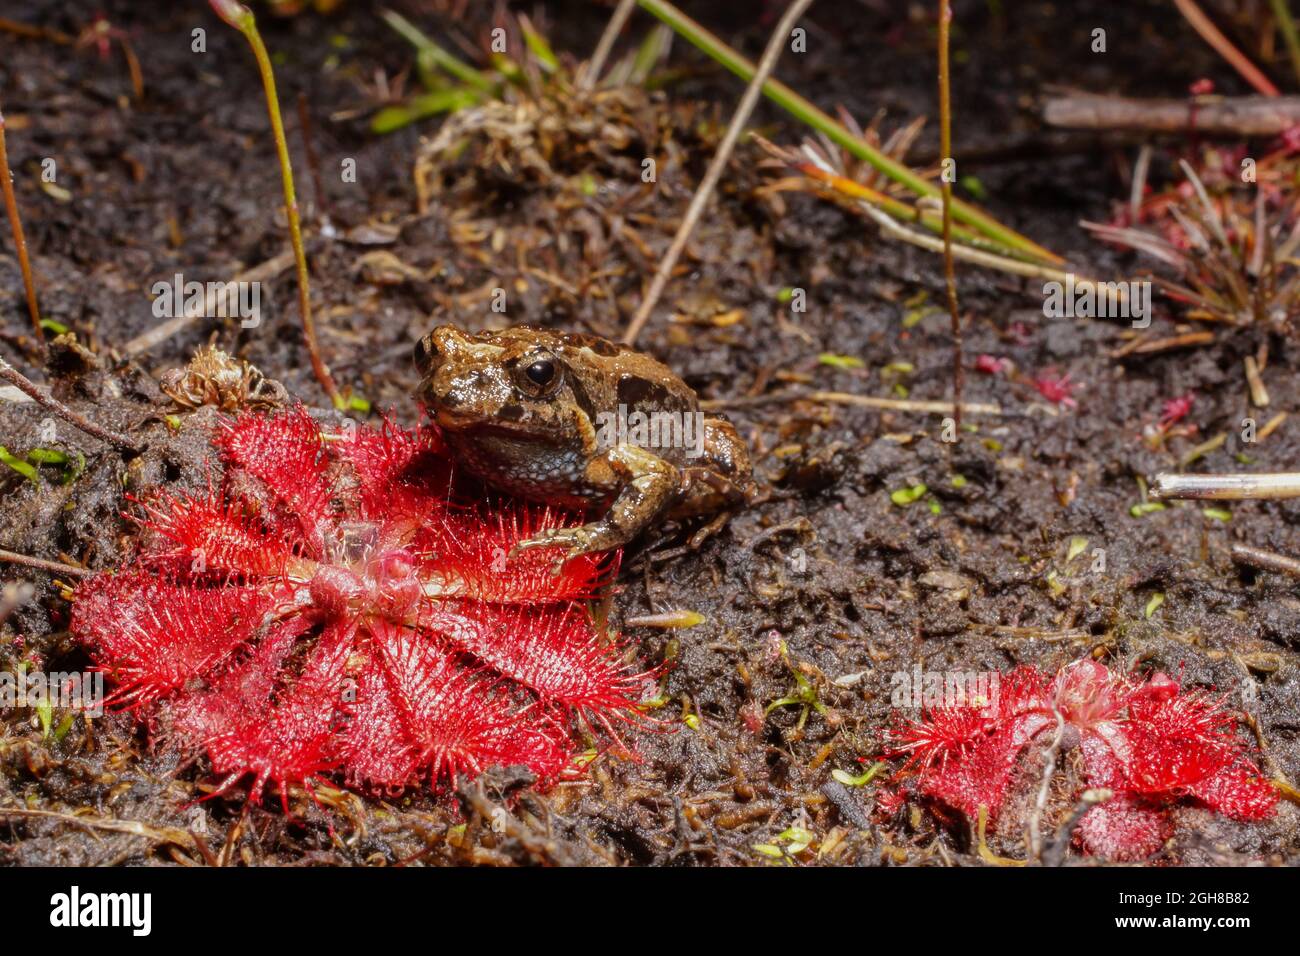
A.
x: 806, y: 112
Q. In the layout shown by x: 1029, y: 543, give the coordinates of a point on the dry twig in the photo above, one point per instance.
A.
x: 43, y: 397
x: 701, y: 198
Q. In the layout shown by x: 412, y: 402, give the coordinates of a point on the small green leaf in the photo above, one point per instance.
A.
x: 1217, y: 514
x: 47, y: 456
x: 45, y: 710
x: 785, y: 294
x: 58, y: 328
x: 973, y: 186
x: 798, y: 838
x: 668, y: 620
x: 65, y: 725
x: 1145, y: 508
x: 508, y: 68
x: 768, y: 849
x: 26, y: 469
x: 539, y: 47
x: 796, y: 835
x: 863, y: 779
x: 905, y: 496
x: 958, y: 481
x: 392, y: 118
x: 839, y: 361
x: 913, y: 318
x: 1078, y: 545
x: 1153, y: 605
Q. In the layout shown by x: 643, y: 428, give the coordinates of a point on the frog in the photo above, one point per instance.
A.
x: 576, y: 421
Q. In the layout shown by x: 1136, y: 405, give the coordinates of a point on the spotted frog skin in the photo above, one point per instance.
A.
x: 534, y: 413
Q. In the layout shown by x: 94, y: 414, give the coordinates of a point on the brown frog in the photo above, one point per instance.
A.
x: 582, y: 423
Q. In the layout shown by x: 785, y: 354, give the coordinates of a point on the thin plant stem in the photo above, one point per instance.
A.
x: 42, y: 397
x: 242, y: 19
x: 904, y: 404
x: 133, y: 67
x: 1035, y: 833
x: 1223, y: 46
x: 775, y: 43
x: 40, y: 564
x: 894, y: 207
x: 435, y: 56
x: 1230, y: 487
x: 20, y: 241
x: 35, y: 33
x: 945, y: 150
x: 989, y: 260
x: 806, y: 112
x: 786, y: 396
x: 1266, y: 560
x: 1286, y: 23
x: 1141, y: 167
x: 591, y: 72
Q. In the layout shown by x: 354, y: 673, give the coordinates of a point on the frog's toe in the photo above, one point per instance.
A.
x: 551, y: 538
x: 528, y: 545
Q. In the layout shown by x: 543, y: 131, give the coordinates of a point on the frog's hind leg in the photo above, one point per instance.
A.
x: 652, y: 485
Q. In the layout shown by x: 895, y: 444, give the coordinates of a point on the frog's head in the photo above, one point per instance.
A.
x: 514, y: 383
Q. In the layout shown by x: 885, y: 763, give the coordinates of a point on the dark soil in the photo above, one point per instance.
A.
x: 824, y: 576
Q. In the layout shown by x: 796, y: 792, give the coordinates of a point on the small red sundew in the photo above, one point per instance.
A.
x: 991, y: 364
x: 1176, y: 409
x: 328, y: 609
x: 1290, y: 139
x: 1057, y: 389
x: 1155, y: 746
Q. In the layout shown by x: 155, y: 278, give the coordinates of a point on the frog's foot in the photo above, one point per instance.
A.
x: 709, y: 530
x: 584, y: 539
x: 651, y: 486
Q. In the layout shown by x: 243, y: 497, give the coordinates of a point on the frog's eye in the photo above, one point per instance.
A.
x: 538, y: 375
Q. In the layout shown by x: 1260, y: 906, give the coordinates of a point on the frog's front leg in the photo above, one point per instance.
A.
x: 646, y: 485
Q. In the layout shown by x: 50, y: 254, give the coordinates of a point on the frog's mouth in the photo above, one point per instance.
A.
x: 471, y: 426
x: 451, y: 421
